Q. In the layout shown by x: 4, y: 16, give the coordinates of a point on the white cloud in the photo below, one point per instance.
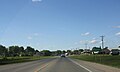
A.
x: 76, y: 43
x: 83, y: 42
x: 101, y: 42
x: 86, y: 34
x: 36, y: 0
x: 116, y: 26
x: 32, y: 36
x: 118, y: 34
x: 29, y: 38
x: 36, y: 34
x: 94, y: 38
x: 94, y: 41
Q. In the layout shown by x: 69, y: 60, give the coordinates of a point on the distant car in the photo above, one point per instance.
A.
x: 62, y: 55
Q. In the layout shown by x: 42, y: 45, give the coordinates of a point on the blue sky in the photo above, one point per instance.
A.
x: 59, y: 24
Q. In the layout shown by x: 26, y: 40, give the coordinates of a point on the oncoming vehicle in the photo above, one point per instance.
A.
x: 62, y: 55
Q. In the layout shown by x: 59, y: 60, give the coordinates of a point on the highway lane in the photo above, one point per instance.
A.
x: 25, y: 67
x: 46, y: 65
x: 63, y: 65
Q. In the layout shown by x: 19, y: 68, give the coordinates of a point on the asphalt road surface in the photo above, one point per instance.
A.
x: 54, y: 65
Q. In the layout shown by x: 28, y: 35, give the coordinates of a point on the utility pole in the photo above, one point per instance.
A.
x: 102, y: 39
x: 86, y: 45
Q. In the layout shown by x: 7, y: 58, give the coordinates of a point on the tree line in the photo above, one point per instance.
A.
x: 13, y: 51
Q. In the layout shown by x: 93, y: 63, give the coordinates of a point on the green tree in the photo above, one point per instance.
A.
x: 29, y: 51
x: 14, y: 50
x: 46, y: 52
x: 63, y: 51
x: 81, y: 50
x: 118, y: 46
x: 3, y: 51
x: 76, y: 52
x: 69, y: 52
x: 21, y: 51
x: 58, y: 52
x: 36, y: 51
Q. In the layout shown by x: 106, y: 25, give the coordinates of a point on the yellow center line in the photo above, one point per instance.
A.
x: 41, y: 68
x: 45, y: 65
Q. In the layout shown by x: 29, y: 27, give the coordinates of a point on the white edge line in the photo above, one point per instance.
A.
x: 80, y: 65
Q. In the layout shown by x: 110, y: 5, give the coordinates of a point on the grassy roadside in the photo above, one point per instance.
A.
x: 10, y: 60
x: 102, y: 59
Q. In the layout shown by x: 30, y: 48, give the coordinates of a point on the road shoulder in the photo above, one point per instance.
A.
x: 95, y: 67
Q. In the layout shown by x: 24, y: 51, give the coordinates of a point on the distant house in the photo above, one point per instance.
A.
x: 106, y: 51
x: 96, y: 50
x: 87, y: 51
x: 38, y: 54
x: 115, y: 51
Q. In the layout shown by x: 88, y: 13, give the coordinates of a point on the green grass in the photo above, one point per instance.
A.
x: 102, y: 59
x: 10, y: 60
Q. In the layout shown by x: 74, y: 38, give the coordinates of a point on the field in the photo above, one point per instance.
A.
x: 102, y: 59
x: 10, y: 60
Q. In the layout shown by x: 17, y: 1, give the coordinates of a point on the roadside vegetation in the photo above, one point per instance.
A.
x: 10, y: 60
x: 18, y: 54
x: 102, y: 59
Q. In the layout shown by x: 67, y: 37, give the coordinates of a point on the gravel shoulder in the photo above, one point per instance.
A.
x: 95, y: 67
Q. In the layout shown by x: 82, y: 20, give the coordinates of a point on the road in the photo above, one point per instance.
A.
x: 46, y: 65
x: 51, y: 65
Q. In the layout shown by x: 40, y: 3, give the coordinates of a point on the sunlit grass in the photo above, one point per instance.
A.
x: 102, y: 59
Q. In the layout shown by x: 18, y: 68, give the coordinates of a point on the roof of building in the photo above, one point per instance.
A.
x: 96, y: 49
